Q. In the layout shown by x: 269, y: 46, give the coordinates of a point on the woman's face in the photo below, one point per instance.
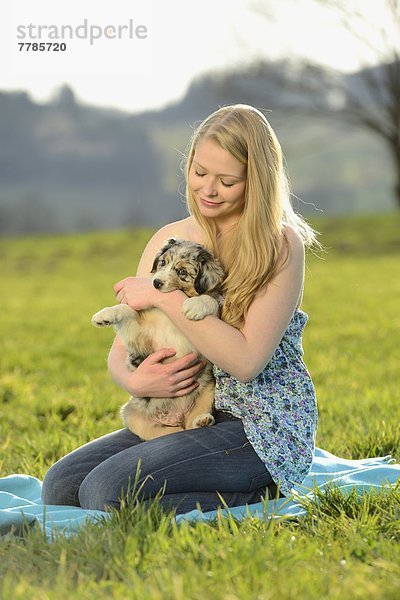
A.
x: 218, y: 182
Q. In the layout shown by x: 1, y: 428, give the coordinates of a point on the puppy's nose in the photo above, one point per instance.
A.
x: 157, y: 283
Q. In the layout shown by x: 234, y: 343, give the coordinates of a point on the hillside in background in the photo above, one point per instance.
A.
x: 65, y: 166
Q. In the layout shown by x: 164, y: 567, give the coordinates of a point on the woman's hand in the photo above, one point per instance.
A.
x: 138, y: 292
x: 156, y: 379
x: 153, y: 378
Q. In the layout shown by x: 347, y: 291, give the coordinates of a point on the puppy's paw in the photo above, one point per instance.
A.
x: 111, y: 315
x: 198, y: 307
x: 204, y: 420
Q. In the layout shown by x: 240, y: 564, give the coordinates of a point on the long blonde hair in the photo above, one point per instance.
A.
x: 249, y: 251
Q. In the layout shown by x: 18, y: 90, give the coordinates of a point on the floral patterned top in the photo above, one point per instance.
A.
x: 278, y: 408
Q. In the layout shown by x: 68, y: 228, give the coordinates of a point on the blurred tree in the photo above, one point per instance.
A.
x: 369, y: 98
x: 65, y: 97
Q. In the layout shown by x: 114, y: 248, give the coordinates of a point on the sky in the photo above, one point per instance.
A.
x: 143, y: 55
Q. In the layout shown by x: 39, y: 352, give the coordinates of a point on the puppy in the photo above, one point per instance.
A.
x: 179, y: 265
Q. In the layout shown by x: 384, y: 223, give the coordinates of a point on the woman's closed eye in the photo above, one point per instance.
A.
x: 227, y: 184
x: 223, y: 183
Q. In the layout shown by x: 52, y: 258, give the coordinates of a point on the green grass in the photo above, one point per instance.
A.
x: 55, y: 394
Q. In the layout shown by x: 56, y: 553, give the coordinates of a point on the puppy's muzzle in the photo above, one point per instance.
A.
x: 158, y: 283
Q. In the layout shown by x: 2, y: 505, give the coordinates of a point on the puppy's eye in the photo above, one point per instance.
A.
x: 182, y: 273
x: 162, y: 262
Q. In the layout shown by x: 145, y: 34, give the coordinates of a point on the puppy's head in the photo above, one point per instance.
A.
x: 186, y: 266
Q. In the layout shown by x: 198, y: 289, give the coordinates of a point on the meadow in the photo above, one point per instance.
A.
x: 56, y: 394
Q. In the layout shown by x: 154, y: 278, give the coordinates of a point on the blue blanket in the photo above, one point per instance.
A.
x: 20, y: 502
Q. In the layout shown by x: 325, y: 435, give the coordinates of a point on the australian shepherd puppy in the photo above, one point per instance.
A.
x: 179, y: 265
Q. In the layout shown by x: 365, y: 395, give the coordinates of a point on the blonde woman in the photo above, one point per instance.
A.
x: 266, y: 415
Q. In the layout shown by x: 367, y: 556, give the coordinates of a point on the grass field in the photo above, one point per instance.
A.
x: 55, y: 394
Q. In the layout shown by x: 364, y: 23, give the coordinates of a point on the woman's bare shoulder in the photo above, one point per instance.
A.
x: 293, y: 236
x: 184, y: 229
x: 170, y: 230
x: 294, y: 244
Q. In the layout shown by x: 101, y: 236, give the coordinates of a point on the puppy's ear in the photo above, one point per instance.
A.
x: 166, y: 246
x: 210, y: 275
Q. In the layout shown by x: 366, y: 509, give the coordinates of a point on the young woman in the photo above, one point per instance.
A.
x: 266, y: 416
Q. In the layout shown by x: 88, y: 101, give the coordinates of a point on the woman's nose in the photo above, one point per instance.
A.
x: 209, y: 188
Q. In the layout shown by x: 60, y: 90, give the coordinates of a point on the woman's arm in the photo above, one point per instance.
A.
x: 242, y: 353
x: 153, y: 378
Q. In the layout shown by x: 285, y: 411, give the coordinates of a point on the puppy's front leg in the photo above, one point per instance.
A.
x: 124, y: 320
x: 198, y: 307
x: 113, y: 315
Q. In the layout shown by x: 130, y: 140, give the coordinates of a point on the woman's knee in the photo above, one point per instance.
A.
x: 97, y: 491
x: 58, y: 488
x: 106, y: 485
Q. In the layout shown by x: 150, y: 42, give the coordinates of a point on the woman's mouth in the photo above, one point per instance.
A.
x: 209, y: 202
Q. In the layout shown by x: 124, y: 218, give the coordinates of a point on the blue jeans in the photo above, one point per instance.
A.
x: 193, y: 465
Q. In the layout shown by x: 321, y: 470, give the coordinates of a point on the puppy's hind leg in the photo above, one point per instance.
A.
x: 201, y: 413
x: 145, y: 427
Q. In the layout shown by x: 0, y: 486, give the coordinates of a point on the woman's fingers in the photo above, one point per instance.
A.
x: 186, y: 390
x: 190, y: 373
x: 118, y: 286
x: 176, y: 378
x: 160, y: 355
x: 186, y: 380
x: 185, y: 362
